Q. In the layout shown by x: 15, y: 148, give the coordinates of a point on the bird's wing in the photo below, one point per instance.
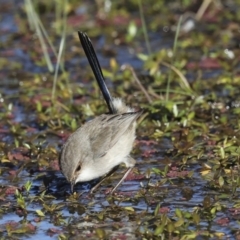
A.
x: 106, y: 130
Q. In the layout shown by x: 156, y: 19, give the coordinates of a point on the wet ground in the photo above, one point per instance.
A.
x: 186, y: 181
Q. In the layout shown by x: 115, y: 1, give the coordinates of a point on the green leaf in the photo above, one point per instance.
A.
x: 221, y: 181
x: 142, y: 57
x: 159, y: 230
x: 131, y: 209
x: 156, y: 211
x: 179, y: 223
x: 132, y: 29
x: 28, y: 186
x: 178, y: 213
x: 40, y: 213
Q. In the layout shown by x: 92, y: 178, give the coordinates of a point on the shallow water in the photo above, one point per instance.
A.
x: 31, y: 140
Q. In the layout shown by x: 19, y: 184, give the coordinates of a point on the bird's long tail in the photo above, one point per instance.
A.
x: 96, y: 68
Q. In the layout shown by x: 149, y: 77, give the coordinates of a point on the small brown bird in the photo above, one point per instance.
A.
x: 97, y: 147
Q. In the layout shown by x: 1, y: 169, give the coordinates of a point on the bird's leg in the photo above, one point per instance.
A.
x: 104, y: 178
x: 130, y: 163
x: 124, y: 176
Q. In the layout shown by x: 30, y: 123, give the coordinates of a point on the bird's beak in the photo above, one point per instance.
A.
x: 72, y: 185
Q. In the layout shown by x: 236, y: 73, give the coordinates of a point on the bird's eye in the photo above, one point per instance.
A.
x: 78, y: 168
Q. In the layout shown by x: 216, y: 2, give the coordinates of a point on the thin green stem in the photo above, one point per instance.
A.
x: 177, y: 35
x: 145, y: 32
x: 174, y: 52
x: 62, y: 43
x: 60, y: 53
x: 33, y: 18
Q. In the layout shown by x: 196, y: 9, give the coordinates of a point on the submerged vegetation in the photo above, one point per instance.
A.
x: 187, y: 178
